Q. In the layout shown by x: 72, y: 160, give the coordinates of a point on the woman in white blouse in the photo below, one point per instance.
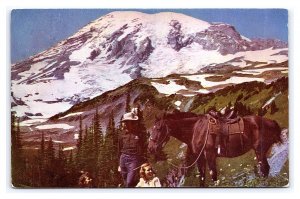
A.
x: 148, y: 178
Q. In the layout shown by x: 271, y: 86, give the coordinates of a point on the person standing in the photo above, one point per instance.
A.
x: 130, y: 149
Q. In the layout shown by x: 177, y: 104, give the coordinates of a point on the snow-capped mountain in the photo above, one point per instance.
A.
x: 122, y: 46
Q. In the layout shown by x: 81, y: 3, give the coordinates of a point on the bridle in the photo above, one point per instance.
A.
x: 165, y: 137
x: 201, y: 151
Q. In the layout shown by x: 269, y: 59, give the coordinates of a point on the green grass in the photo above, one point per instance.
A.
x: 282, y: 115
x: 232, y: 172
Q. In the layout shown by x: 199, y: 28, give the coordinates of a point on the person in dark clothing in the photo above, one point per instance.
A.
x: 130, y: 149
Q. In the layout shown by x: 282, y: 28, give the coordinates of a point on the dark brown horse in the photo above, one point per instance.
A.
x: 195, y: 130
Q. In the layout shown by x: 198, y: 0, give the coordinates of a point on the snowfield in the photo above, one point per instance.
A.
x: 267, y: 55
x: 32, y: 122
x: 259, y: 71
x: 169, y: 88
x: 231, y: 80
x: 55, y: 126
x: 129, y: 45
x: 71, y: 114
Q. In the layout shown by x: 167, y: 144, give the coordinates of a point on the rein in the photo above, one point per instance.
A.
x: 164, y: 137
x: 186, y: 167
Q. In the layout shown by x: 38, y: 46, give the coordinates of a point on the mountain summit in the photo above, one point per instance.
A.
x: 122, y: 46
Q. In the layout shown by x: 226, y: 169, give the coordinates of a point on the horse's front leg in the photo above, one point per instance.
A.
x: 263, y: 165
x: 201, y: 164
x: 211, y: 156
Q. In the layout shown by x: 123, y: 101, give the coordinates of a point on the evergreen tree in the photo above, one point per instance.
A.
x: 50, y: 164
x: 127, y: 103
x: 80, y: 155
x: 261, y: 111
x: 33, y: 171
x: 228, y: 109
x: 17, y: 158
x: 79, y: 141
x: 42, y: 149
x: 42, y: 161
x: 110, y: 154
x: 70, y: 161
x: 142, y: 132
x: 98, y: 172
x: 241, y: 109
x: 79, y: 145
x: 273, y: 108
x: 89, y: 158
x: 60, y: 168
x: 81, y: 162
x: 71, y: 171
x: 50, y: 152
x: 18, y: 138
x: 98, y: 135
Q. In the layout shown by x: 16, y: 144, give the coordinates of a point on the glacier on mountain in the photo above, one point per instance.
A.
x: 121, y: 46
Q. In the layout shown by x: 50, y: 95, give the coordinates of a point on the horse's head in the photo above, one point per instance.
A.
x: 160, y: 135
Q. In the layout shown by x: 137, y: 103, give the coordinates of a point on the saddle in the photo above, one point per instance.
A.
x: 223, y: 128
x: 231, y: 117
x: 233, y: 126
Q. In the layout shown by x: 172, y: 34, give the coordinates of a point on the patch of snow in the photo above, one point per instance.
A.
x: 76, y: 136
x: 81, y: 54
x: 259, y: 70
x: 271, y: 100
x: 46, y: 109
x: 31, y: 122
x: 34, y: 68
x: 177, y: 103
x: 58, y: 141
x: 188, y: 105
x: 199, y: 78
x: 204, y: 91
x: 231, y: 80
x: 189, y: 95
x: 169, y: 88
x: 266, y: 55
x: 71, y: 114
x: 69, y: 148
x: 54, y: 126
x: 245, y: 38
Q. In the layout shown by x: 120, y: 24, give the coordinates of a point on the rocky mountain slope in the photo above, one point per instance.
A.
x: 121, y: 46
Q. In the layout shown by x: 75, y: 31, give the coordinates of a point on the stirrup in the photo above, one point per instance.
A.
x: 219, y: 149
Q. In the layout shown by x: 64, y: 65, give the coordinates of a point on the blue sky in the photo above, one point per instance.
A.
x: 33, y: 31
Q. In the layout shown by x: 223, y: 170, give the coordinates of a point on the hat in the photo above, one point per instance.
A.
x: 131, y: 115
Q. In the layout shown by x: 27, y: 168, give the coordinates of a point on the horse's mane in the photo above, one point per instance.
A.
x: 179, y: 115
